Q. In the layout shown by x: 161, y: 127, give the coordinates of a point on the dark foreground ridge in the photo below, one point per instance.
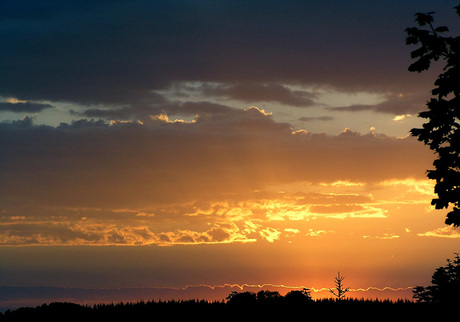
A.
x: 265, y: 306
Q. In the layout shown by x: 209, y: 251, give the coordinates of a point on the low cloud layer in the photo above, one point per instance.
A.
x: 122, y: 182
x: 254, y: 93
x: 90, y: 163
x: 23, y: 107
x: 393, y: 104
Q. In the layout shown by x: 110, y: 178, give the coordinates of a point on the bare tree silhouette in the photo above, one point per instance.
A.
x: 339, y: 291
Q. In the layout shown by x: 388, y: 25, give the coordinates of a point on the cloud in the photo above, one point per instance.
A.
x: 167, y: 181
x: 118, y: 53
x: 386, y: 236
x: 107, y: 233
x: 136, y: 112
x: 25, y: 122
x: 316, y: 118
x: 444, y: 232
x: 254, y: 93
x: 23, y: 107
x: 220, y: 233
x: 89, y: 163
x: 235, y: 218
x: 397, y: 104
x: 317, y: 233
x: 401, y: 117
x: 270, y: 234
x: 348, y: 211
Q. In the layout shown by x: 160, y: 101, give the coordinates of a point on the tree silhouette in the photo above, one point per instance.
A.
x: 242, y: 299
x: 298, y: 297
x: 442, y: 131
x: 340, y: 294
x: 445, y: 286
x: 269, y: 297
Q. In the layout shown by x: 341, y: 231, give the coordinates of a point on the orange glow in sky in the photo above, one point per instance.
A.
x: 190, y: 150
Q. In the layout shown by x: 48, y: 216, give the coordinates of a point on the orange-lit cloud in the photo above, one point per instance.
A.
x: 199, y: 145
x: 443, y: 232
x: 270, y: 234
x: 261, y: 215
x: 93, y: 164
x: 384, y: 236
x: 231, y: 180
x: 232, y: 177
x: 401, y: 117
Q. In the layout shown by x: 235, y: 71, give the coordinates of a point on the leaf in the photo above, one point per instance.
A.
x: 439, y: 204
x: 419, y: 52
x: 442, y: 29
x: 441, y: 132
x: 424, y: 18
x: 412, y: 40
x: 420, y: 65
x: 424, y: 114
x: 453, y: 217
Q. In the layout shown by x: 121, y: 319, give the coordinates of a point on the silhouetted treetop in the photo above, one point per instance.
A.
x: 339, y: 291
x: 269, y: 297
x: 298, y: 297
x: 445, y: 285
x: 243, y: 298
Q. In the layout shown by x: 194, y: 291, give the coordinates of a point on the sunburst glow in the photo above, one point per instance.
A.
x: 189, y: 149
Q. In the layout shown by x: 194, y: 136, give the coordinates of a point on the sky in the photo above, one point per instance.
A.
x: 187, y: 149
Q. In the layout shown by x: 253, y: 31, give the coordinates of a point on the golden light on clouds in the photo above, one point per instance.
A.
x: 443, y: 232
x: 219, y: 151
x: 238, y: 182
x: 264, y: 215
x: 401, y: 117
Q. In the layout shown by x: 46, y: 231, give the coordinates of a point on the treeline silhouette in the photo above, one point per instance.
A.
x: 243, y: 306
x: 437, y: 301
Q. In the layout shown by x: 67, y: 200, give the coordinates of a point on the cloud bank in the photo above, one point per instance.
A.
x: 113, y: 52
x: 124, y: 182
x: 89, y: 163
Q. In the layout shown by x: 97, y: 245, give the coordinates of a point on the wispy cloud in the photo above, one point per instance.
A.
x: 255, y: 93
x: 443, y: 232
x: 315, y: 118
x: 386, y: 236
x: 398, y: 104
x: 23, y: 106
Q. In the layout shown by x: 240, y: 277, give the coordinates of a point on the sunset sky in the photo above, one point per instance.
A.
x: 186, y: 149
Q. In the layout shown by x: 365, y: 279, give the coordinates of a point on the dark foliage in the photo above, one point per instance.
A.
x: 445, y: 288
x: 442, y: 131
x: 245, y: 306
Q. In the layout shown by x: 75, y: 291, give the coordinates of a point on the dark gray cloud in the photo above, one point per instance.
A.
x: 315, y: 118
x: 254, y: 93
x: 393, y: 104
x: 90, y: 163
x: 118, y: 51
x: 21, y: 107
x: 136, y: 112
